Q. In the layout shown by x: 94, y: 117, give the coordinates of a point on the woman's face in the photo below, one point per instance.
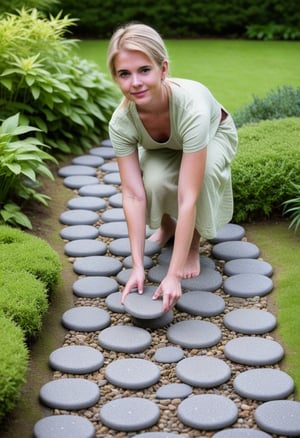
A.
x: 139, y: 78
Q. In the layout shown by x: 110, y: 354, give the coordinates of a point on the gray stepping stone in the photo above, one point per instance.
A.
x: 241, y: 433
x: 248, y: 285
x: 64, y: 426
x: 75, y: 232
x: 110, y: 167
x: 125, y: 339
x: 129, y: 414
x: 142, y: 305
x: 174, y: 390
x: 207, y: 412
x: 194, y: 334
x: 248, y: 266
x: 103, y: 151
x: 235, y: 250
x: 154, y: 323
x: 168, y: 354
x: 113, y: 215
x: 88, y: 160
x: 229, y: 232
x: 123, y: 276
x: 76, y: 359
x: 77, y: 181
x: 112, y: 178
x: 250, y: 321
x: 86, y: 319
x: 115, y: 230
x: 148, y: 262
x: 85, y: 247
x: 74, y: 170
x: 116, y: 200
x: 166, y: 253
x: 86, y: 203
x: 201, y: 303
x: 70, y: 394
x: 203, y: 371
x: 263, y: 384
x: 113, y: 302
x: 121, y: 247
x: 132, y: 373
x: 159, y: 435
x: 79, y: 217
x: 281, y: 417
x: 95, y: 286
x: 100, y: 190
x: 255, y: 351
x: 97, y: 265
x: 107, y: 143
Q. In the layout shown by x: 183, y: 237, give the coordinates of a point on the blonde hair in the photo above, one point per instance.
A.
x: 138, y: 37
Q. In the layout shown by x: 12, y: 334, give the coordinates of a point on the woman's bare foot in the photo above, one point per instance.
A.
x: 192, y: 264
x: 165, y: 232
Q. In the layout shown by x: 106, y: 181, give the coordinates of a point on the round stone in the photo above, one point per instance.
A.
x: 97, y: 265
x: 142, y: 305
x: 76, y: 170
x: 123, y: 276
x: 248, y: 285
x: 103, y: 151
x: 112, y: 178
x: 110, y: 167
x: 207, y: 412
x: 77, y: 181
x: 70, y: 394
x: 235, y: 250
x: 63, y: 426
x: 86, y: 318
x: 248, y: 266
x: 129, y: 414
x: 75, y: 232
x: 229, y: 232
x: 115, y: 230
x: 194, y: 334
x: 113, y: 215
x: 127, y: 262
x: 88, y: 160
x: 95, y: 286
x: 164, y: 258
x: 281, y: 417
x: 154, y: 323
x: 84, y: 247
x: 132, y: 373
x: 241, y: 433
x: 125, y: 339
x: 113, y: 302
x: 116, y: 200
x: 121, y: 247
x: 263, y: 384
x: 250, y: 321
x: 79, y: 217
x: 86, y: 203
x: 107, y: 143
x: 201, y: 303
x: 168, y: 354
x: 100, y: 190
x: 76, y: 359
x: 160, y: 435
x: 174, y: 390
x: 203, y: 371
x: 254, y: 351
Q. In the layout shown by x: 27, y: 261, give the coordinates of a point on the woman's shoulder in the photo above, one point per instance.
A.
x: 188, y: 92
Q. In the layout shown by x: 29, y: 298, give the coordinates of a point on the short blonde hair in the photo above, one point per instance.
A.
x: 140, y: 37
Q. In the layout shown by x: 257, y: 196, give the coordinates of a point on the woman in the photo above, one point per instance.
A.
x: 174, y: 144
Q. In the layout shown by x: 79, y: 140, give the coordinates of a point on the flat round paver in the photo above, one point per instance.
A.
x: 88, y: 160
x: 126, y: 339
x: 116, y: 200
x: 248, y: 266
x: 75, y: 232
x: 79, y: 217
x: 121, y: 247
x: 281, y: 417
x: 86, y: 203
x: 229, y: 232
x: 76, y: 170
x: 194, y: 334
x: 159, y: 435
x: 241, y: 433
x: 127, y: 262
x: 103, y: 151
x: 123, y: 276
x: 248, y: 285
x: 154, y: 323
x: 250, y: 321
x: 113, y: 302
x: 235, y: 250
x: 97, y: 265
x: 129, y: 414
x: 142, y: 305
x: 76, y: 359
x: 115, y: 230
x: 263, y: 384
x: 70, y: 394
x: 203, y: 371
x: 100, y: 190
x: 166, y: 254
x: 174, y: 390
x: 168, y: 354
x: 77, y: 181
x: 64, y: 426
x: 113, y: 215
x: 85, y: 247
x: 110, y: 167
x: 132, y: 373
x: 95, y: 286
x: 86, y: 318
x: 207, y: 411
x: 106, y: 143
x: 112, y: 178
x: 257, y: 351
x: 201, y: 303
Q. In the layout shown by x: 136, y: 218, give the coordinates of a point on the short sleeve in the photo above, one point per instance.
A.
x: 122, y: 134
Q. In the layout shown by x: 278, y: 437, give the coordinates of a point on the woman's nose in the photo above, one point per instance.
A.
x: 136, y: 80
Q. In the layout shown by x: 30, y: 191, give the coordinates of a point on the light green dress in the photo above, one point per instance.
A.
x: 195, y: 117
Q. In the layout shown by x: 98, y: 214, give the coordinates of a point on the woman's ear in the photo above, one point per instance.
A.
x: 164, y: 69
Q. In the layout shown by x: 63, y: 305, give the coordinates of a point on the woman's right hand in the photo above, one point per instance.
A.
x: 135, y: 281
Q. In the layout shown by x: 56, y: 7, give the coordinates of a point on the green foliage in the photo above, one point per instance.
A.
x: 267, y: 161
x: 12, y: 6
x: 13, y: 364
x: 292, y: 207
x: 272, y: 31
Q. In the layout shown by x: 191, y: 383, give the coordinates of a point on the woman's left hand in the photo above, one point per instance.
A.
x: 170, y: 288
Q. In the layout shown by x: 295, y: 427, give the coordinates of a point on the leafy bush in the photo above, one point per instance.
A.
x: 292, y: 207
x: 267, y: 161
x: 13, y: 364
x: 277, y: 104
x: 272, y: 31
x: 41, y: 5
